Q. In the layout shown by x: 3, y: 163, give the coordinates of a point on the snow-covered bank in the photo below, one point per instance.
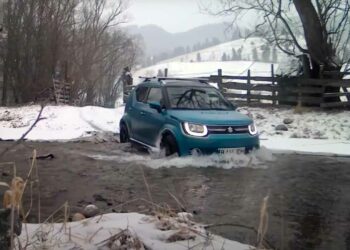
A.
x: 59, y: 123
x: 316, y: 132
x: 125, y: 231
x: 307, y: 146
x: 310, y: 124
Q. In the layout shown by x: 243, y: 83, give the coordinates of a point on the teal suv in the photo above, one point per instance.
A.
x: 185, y: 117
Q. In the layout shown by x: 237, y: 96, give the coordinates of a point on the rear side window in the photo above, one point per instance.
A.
x: 155, y: 95
x: 141, y: 94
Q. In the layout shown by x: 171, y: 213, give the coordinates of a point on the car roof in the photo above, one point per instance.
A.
x: 175, y: 82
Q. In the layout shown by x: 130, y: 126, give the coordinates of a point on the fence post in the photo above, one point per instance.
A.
x: 249, y: 87
x: 321, y: 77
x: 220, y: 81
x: 273, y: 84
x: 166, y: 72
x: 300, y: 104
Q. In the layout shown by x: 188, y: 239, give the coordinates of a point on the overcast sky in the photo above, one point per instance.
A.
x: 172, y: 15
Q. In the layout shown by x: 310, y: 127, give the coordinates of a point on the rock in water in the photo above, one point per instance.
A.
x: 78, y: 217
x: 288, y: 121
x: 281, y: 127
x: 90, y: 211
x: 259, y: 116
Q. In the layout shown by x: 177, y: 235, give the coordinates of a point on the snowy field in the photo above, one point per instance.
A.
x: 214, y: 53
x: 315, y: 132
x: 202, y: 69
x: 126, y: 231
x: 211, y: 60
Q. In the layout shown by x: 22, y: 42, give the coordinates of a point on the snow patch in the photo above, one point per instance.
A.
x: 59, y: 123
x: 101, y: 232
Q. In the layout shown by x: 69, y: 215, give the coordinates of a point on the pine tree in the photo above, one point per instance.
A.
x: 160, y: 73
x: 199, y: 59
x: 224, y: 57
x: 234, y: 55
x: 255, y: 54
x: 266, y: 54
x: 274, y: 54
x: 239, y: 53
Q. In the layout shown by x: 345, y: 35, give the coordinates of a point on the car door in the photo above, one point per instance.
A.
x: 152, y: 120
x: 135, y: 112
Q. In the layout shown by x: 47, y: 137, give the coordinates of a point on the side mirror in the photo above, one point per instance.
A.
x: 156, y: 106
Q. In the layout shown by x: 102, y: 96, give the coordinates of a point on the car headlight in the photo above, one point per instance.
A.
x: 252, y: 129
x: 195, y: 129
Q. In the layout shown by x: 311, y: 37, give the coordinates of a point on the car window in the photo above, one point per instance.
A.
x: 155, y: 95
x: 197, y: 98
x: 141, y: 94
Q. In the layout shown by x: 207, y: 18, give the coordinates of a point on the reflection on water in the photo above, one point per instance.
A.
x: 310, y: 229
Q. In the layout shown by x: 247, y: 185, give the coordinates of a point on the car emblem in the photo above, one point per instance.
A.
x: 230, y: 129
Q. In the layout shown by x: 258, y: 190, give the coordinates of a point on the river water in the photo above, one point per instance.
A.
x: 308, y: 205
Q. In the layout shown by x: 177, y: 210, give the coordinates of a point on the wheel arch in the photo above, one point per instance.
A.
x: 168, y: 130
x: 125, y: 122
x: 172, y: 131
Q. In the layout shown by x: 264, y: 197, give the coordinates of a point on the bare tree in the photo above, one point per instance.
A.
x: 2, y: 38
x: 36, y: 34
x: 78, y: 41
x: 318, y: 28
x: 100, y: 51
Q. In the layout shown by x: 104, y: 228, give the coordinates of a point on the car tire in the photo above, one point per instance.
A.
x: 169, y: 145
x: 124, y: 134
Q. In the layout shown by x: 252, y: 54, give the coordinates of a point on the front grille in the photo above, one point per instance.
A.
x: 227, y: 129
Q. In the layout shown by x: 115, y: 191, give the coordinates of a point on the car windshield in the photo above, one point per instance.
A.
x: 201, y: 98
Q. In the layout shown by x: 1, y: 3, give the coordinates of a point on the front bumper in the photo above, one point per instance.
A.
x: 211, y: 143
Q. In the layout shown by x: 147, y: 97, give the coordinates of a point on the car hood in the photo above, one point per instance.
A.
x: 211, y: 117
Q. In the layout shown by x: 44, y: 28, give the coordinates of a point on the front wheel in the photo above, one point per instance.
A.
x: 169, y: 145
x: 124, y: 134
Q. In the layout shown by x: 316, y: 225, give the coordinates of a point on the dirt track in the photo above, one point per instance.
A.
x: 309, y: 202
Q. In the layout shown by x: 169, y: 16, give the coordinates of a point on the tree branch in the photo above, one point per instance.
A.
x: 20, y: 140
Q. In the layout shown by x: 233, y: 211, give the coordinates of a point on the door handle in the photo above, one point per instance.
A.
x: 142, y: 113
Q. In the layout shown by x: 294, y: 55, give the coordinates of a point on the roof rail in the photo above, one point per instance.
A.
x: 199, y: 79
x: 147, y: 78
x: 204, y: 80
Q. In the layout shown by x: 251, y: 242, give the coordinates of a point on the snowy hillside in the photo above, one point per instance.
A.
x: 234, y: 58
x: 198, y: 69
x: 241, y: 49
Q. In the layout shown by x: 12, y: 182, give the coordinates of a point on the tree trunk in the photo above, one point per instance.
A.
x: 320, y: 51
x: 4, y: 89
x: 315, y: 35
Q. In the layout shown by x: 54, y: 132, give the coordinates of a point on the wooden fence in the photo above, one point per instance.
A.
x: 59, y: 92
x: 62, y: 92
x: 272, y: 90
x: 277, y: 90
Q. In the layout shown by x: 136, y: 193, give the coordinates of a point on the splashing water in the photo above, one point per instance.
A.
x: 127, y: 154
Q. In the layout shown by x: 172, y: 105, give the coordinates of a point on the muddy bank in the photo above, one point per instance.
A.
x: 309, y: 196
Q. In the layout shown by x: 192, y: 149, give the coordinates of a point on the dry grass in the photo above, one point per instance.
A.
x: 263, y: 223
x: 125, y: 239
